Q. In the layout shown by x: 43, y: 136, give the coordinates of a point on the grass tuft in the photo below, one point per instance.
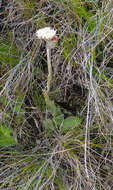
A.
x: 64, y: 140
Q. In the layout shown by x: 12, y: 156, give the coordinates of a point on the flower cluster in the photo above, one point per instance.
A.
x: 46, y: 33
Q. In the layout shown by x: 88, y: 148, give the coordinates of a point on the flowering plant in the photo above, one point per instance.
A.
x: 46, y: 33
x: 49, y: 35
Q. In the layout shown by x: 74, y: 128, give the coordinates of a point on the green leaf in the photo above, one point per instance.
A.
x: 58, y: 120
x: 48, y: 123
x: 58, y: 117
x: 5, y: 137
x: 70, y: 123
x: 39, y: 100
x: 17, y: 109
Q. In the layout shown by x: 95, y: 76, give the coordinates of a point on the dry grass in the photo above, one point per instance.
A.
x: 48, y: 158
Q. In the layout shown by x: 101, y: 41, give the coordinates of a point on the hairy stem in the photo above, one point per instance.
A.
x: 49, y: 68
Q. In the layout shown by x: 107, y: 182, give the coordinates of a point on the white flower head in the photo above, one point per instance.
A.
x: 46, y: 33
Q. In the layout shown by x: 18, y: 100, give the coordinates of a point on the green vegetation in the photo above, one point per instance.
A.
x: 61, y: 140
x: 5, y: 137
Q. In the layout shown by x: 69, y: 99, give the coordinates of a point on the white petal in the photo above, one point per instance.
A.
x: 46, y: 33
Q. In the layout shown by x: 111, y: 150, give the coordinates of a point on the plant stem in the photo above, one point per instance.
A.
x: 49, y: 67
